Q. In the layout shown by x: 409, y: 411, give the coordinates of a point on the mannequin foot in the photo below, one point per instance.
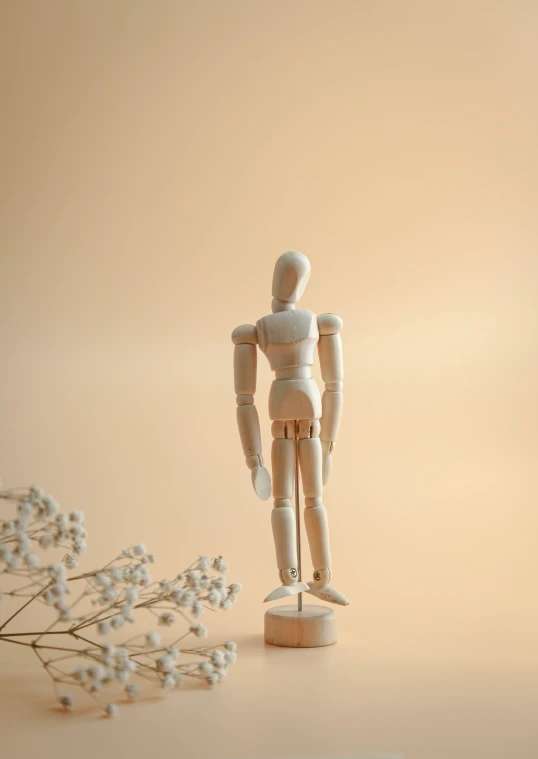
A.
x: 287, y: 590
x: 327, y: 593
x: 320, y: 588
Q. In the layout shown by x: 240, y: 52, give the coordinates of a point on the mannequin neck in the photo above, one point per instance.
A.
x: 281, y: 305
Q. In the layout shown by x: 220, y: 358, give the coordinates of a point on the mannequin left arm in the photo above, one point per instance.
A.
x: 245, y: 340
x: 332, y: 372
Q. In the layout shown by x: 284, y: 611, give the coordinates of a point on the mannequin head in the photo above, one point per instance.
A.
x: 292, y: 271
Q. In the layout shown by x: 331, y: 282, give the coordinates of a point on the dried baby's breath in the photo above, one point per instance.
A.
x: 98, y: 603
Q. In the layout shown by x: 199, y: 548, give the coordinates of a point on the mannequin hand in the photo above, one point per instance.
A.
x: 261, y: 480
x: 327, y: 464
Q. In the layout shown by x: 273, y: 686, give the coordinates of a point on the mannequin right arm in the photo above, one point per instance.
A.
x: 245, y: 339
x: 332, y: 372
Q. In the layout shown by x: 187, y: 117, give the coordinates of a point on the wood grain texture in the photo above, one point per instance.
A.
x: 312, y: 627
x: 294, y: 399
x: 248, y: 424
x: 330, y: 358
x: 245, y: 364
x: 288, y: 338
x: 331, y: 415
x: 283, y: 524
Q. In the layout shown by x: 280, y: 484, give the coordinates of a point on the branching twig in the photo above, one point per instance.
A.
x: 122, y: 587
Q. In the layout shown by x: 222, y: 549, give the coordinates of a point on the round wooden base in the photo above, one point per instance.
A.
x: 312, y: 627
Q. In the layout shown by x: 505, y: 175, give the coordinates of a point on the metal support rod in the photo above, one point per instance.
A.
x: 298, y: 516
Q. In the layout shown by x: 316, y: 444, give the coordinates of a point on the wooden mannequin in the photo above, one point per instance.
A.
x: 304, y: 424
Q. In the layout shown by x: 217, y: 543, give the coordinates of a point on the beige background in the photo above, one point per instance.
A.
x: 156, y: 158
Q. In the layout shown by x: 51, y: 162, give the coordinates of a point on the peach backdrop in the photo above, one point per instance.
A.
x: 156, y: 159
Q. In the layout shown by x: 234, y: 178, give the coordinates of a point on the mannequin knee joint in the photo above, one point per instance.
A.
x: 282, y: 503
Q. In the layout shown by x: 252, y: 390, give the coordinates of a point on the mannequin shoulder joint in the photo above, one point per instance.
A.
x: 329, y: 324
x: 245, y: 333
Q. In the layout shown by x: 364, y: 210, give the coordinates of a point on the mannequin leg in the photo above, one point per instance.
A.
x: 283, y: 515
x: 315, y: 514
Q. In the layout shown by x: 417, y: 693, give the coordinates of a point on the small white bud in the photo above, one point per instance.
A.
x: 111, y: 710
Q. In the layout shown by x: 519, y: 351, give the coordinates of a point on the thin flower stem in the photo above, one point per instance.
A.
x: 82, y: 576
x: 141, y: 664
x: 74, y: 651
x: 81, y: 651
x: 51, y: 665
x: 79, y: 599
x: 92, y: 695
x: 95, y: 618
x: 163, y: 608
x: 74, y: 654
x: 147, y: 653
x: 42, y: 632
x: 146, y: 676
x: 47, y: 671
x: 118, y: 558
x: 23, y: 607
x: 86, y: 640
x: 128, y: 641
x: 23, y: 587
x: 18, y: 642
x: 53, y: 624
x: 184, y: 616
x: 181, y: 638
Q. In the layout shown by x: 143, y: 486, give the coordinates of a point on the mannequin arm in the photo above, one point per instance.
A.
x: 332, y: 372
x: 245, y: 339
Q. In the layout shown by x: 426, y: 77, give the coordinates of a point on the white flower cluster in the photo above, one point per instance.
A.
x: 216, y: 668
x: 115, y: 663
x: 110, y: 598
x: 39, y: 523
x: 194, y: 588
